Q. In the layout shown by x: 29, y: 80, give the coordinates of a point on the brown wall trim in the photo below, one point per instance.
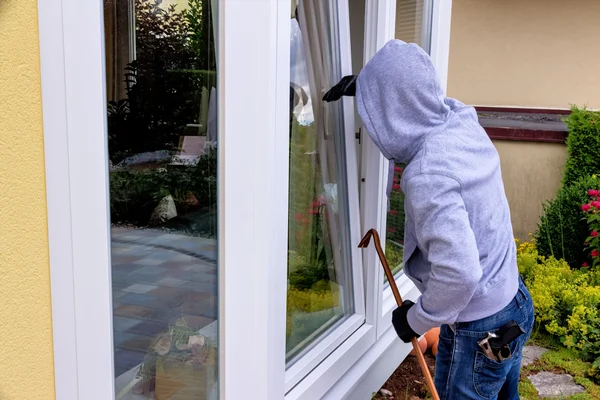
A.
x: 522, y: 110
x: 526, y: 135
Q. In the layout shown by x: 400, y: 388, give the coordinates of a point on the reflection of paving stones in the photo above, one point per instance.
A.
x: 149, y: 328
x: 554, y: 385
x: 531, y: 354
x: 171, y: 282
x: 158, y: 278
x: 139, y: 343
x: 127, y: 359
x: 120, y: 337
x: 168, y: 292
x: 117, y: 294
x: 134, y: 311
x: 146, y: 300
x: 124, y: 324
x: 139, y: 288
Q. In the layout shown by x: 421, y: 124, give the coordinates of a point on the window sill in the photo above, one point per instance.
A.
x: 526, y: 125
x: 367, y: 374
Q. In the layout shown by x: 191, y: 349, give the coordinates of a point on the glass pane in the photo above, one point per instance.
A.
x: 319, y: 264
x: 394, y: 244
x: 161, y: 87
x: 413, y: 22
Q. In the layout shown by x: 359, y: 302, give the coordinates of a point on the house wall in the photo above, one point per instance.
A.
x: 534, y: 53
x: 26, y: 365
x: 532, y: 173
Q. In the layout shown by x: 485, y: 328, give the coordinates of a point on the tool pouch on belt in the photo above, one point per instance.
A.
x: 495, y: 344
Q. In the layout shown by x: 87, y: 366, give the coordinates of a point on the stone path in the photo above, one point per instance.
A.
x: 157, y: 278
x: 531, y: 354
x: 549, y: 384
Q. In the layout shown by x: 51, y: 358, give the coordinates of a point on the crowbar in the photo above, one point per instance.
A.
x: 364, y: 243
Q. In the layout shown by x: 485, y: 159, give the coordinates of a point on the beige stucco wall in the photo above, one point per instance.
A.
x: 26, y: 361
x: 532, y: 173
x: 533, y: 53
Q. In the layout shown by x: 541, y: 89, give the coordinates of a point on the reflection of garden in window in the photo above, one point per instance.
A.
x: 162, y: 115
x: 319, y: 280
x: 394, y: 244
x: 165, y: 106
x: 313, y: 294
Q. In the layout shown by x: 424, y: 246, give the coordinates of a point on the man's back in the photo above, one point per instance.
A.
x: 463, y: 156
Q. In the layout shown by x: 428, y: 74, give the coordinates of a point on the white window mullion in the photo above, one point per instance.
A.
x: 379, y: 29
x: 254, y: 50
x: 74, y: 106
x: 440, y: 39
x: 351, y: 166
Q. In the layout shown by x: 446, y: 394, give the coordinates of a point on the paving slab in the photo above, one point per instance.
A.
x: 531, y: 354
x: 555, y: 385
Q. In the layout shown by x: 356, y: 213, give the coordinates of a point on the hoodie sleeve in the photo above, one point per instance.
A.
x: 443, y: 231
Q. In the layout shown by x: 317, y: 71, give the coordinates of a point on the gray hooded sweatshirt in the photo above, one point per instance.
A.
x: 459, y: 248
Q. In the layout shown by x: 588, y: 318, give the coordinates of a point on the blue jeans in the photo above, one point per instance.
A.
x: 462, y: 371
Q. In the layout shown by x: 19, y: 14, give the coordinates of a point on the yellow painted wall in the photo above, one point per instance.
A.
x: 532, y: 173
x: 26, y: 357
x: 533, y: 53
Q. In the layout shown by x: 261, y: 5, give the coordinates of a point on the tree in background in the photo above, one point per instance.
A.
x: 175, y: 58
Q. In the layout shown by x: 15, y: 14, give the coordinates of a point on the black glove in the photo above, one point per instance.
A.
x: 400, y: 322
x: 345, y: 87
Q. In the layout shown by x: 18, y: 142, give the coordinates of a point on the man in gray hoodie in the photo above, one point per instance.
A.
x: 459, y: 248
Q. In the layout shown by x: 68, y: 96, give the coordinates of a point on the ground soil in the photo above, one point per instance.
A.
x: 407, y: 382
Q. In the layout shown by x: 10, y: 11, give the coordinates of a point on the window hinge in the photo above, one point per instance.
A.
x: 357, y: 135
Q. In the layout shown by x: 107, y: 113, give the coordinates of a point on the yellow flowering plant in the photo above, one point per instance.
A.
x: 566, y: 300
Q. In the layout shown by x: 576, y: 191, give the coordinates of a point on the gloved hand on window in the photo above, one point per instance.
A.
x: 400, y: 322
x: 345, y: 87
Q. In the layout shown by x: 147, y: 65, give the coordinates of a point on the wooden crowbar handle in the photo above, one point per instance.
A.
x: 388, y: 272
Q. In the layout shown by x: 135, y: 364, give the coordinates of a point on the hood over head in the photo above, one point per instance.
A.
x: 400, y: 100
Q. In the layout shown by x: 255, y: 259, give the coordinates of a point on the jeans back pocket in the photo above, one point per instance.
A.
x: 489, y: 375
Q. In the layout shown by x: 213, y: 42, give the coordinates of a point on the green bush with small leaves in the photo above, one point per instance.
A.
x: 562, y: 230
x: 583, y: 144
x: 566, y: 301
x: 134, y: 193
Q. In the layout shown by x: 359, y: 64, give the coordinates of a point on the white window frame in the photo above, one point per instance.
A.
x: 333, y: 339
x: 252, y: 307
x: 252, y: 300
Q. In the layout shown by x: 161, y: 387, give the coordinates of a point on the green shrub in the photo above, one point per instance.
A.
x: 395, y: 217
x: 592, y: 216
x: 583, y: 145
x: 566, y: 300
x: 562, y: 230
x: 134, y: 193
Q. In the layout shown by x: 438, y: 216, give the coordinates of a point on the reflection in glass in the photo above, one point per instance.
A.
x: 319, y: 281
x: 413, y: 22
x: 161, y: 86
x: 394, y: 240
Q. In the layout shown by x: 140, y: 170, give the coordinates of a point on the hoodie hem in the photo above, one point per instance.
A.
x: 485, y: 306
